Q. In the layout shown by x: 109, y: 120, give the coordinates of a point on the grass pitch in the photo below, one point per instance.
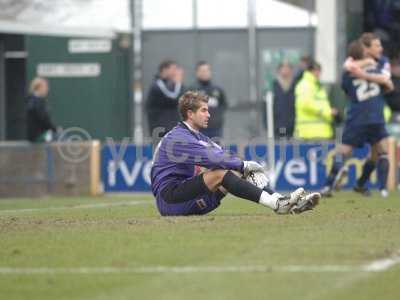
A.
x: 120, y: 248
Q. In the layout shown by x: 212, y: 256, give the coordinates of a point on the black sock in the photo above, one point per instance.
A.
x: 337, y: 165
x: 368, y: 168
x: 240, y: 187
x: 383, y: 168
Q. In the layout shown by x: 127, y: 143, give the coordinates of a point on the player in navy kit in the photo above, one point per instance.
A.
x: 364, y: 84
x: 373, y: 50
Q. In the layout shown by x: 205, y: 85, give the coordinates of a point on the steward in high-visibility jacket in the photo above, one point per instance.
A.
x: 314, y: 115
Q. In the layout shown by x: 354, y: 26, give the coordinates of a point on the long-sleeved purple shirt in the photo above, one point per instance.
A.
x: 182, y: 152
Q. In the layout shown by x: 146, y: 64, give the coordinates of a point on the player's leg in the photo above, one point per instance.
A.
x: 189, y: 197
x: 377, y: 137
x: 382, y: 166
x: 294, y: 196
x: 238, y: 187
x: 245, y: 190
x: 368, y: 167
x: 343, y: 152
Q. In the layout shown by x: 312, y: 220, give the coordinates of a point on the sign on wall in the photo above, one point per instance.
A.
x: 68, y: 69
x: 127, y: 168
x: 89, y: 46
x: 306, y: 165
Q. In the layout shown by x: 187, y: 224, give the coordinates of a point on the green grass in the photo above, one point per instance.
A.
x: 346, y: 230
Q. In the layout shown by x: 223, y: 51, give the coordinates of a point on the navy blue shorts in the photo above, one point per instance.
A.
x: 358, y: 136
x: 190, y: 197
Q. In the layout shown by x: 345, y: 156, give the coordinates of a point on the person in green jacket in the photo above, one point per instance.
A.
x: 314, y: 114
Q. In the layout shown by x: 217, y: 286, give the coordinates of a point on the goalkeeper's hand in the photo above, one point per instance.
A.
x: 259, y: 179
x: 251, y: 166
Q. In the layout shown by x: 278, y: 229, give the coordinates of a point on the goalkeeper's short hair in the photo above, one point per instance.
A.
x: 191, y: 100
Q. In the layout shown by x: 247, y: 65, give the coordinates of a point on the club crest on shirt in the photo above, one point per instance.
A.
x: 201, y: 203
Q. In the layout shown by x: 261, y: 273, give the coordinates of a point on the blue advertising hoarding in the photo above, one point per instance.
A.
x: 306, y: 164
x: 126, y: 168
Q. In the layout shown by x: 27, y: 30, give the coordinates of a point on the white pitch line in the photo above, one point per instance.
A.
x: 380, y: 265
x: 84, y: 206
x: 183, y: 269
x: 383, y: 266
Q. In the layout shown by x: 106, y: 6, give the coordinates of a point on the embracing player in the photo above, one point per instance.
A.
x: 182, y: 188
x: 365, y: 80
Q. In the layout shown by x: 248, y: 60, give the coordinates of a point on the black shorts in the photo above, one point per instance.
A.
x: 187, y: 190
x: 360, y: 135
x: 189, y: 197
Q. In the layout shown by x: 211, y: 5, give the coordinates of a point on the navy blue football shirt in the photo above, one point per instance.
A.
x: 366, y: 100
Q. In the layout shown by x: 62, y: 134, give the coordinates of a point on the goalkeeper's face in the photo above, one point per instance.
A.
x: 199, y: 119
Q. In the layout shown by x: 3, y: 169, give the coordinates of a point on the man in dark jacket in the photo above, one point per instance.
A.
x: 216, y: 103
x: 162, y: 99
x: 283, y: 89
x: 38, y: 118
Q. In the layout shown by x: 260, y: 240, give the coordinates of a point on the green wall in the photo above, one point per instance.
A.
x: 100, y: 105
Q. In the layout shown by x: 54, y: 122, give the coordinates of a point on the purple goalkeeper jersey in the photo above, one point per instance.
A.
x: 182, y: 152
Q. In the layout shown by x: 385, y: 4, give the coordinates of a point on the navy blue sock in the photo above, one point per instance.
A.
x: 338, y: 163
x: 368, y: 168
x: 383, y: 170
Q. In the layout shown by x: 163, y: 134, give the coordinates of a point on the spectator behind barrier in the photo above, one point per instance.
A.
x: 40, y: 127
x: 163, y: 95
x: 302, y: 66
x: 283, y: 89
x: 216, y: 99
x: 314, y: 114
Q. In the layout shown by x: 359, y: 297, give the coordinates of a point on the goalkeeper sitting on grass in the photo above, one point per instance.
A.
x: 182, y: 189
